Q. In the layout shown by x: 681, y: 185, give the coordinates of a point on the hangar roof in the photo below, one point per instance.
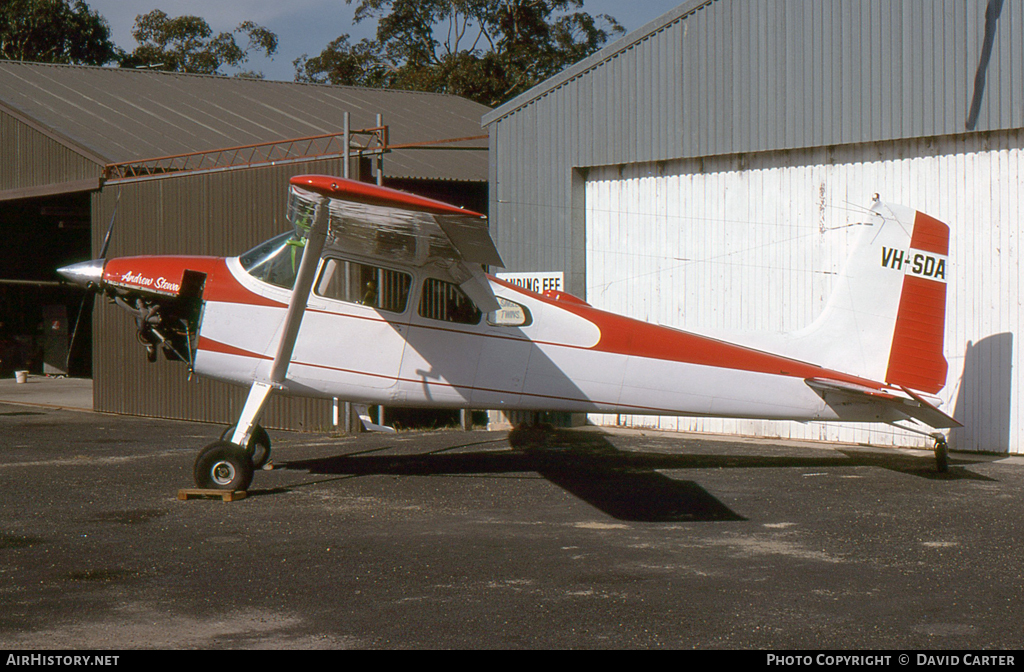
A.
x: 113, y: 115
x: 714, y: 77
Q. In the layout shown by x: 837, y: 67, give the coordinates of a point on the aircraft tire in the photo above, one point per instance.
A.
x: 259, y: 445
x: 223, y: 466
x: 941, y: 456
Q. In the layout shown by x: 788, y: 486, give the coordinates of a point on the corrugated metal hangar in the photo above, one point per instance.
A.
x: 189, y: 164
x: 703, y: 172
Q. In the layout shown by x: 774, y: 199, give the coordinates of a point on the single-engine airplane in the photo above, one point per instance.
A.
x: 379, y: 297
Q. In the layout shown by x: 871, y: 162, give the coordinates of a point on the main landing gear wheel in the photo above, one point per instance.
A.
x: 223, y: 465
x: 941, y: 455
x: 258, y: 447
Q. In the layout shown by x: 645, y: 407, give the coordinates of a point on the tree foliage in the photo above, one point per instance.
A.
x: 486, y: 50
x: 187, y: 44
x: 54, y: 31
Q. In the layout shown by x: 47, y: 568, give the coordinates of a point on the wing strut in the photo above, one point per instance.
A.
x: 260, y: 390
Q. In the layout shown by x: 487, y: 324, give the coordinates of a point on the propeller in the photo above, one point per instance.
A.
x: 88, y: 275
x: 110, y: 228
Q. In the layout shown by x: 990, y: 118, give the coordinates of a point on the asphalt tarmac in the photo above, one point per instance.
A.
x: 453, y: 539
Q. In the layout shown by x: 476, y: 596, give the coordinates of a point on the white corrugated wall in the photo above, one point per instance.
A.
x: 753, y: 242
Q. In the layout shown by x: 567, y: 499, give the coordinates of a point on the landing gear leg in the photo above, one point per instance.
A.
x: 228, y: 464
x: 941, y: 454
x: 227, y: 461
x: 258, y: 446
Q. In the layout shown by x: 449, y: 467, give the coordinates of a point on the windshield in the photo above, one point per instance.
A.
x: 275, y: 261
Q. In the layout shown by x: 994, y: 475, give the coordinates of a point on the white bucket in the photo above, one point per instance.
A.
x: 21, y: 376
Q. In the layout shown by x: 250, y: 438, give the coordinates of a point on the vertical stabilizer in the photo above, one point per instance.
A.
x: 885, y: 319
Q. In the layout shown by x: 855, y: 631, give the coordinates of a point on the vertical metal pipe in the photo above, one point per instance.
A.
x: 347, y: 130
x: 380, y: 154
x: 380, y: 183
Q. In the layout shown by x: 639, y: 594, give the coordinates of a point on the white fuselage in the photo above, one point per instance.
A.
x: 569, y: 357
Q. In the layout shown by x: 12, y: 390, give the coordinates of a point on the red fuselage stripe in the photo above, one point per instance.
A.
x: 210, y: 345
x: 625, y: 336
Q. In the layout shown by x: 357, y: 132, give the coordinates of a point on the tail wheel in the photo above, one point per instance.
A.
x: 223, y: 466
x: 258, y: 446
x: 941, y: 455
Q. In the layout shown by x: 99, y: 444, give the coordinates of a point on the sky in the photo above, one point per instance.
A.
x: 307, y: 26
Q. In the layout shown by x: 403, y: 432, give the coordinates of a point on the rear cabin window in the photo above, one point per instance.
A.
x: 511, y: 314
x: 446, y: 302
x: 379, y: 288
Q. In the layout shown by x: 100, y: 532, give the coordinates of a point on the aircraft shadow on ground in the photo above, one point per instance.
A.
x: 626, y: 485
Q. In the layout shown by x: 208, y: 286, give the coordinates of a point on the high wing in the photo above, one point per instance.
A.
x: 382, y: 224
x: 334, y: 214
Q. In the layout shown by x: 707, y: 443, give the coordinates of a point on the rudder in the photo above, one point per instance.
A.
x: 916, y: 359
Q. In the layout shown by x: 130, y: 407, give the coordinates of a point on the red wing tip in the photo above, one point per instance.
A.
x: 371, y: 194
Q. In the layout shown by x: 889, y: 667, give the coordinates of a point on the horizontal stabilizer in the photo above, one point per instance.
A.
x: 860, y: 403
x: 929, y: 414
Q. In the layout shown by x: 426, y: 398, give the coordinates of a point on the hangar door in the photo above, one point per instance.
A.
x: 755, y: 242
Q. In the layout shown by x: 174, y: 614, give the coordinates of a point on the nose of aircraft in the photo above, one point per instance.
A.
x: 85, y: 273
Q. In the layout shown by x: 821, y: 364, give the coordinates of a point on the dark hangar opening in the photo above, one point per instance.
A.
x: 37, y: 310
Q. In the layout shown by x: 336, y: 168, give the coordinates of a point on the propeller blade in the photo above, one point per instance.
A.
x: 86, y: 296
x: 110, y: 228
x: 89, y: 275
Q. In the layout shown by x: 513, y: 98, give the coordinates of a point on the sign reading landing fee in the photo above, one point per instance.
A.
x: 539, y: 282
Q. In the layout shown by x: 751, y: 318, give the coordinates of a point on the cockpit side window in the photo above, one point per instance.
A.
x: 446, y: 302
x: 275, y: 261
x: 350, y: 281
